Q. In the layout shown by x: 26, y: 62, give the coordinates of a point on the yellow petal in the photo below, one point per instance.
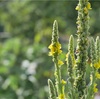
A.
x: 63, y: 82
x: 58, y: 45
x: 50, y: 46
x: 61, y: 96
x: 60, y: 62
x: 97, y: 65
x: 94, y: 88
x: 97, y: 75
x: 89, y: 6
x: 77, y: 8
x: 85, y: 10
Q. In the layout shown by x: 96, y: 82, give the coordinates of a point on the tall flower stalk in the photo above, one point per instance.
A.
x: 92, y: 85
x: 83, y: 8
x: 70, y: 60
x: 55, y: 50
x: 95, y: 65
x: 76, y: 86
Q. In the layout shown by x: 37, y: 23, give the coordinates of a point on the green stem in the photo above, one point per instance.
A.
x: 58, y: 76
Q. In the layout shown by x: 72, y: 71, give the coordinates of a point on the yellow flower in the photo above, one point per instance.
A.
x: 89, y: 6
x: 77, y: 7
x: 58, y: 45
x: 61, y: 96
x: 60, y: 62
x: 97, y: 65
x: 94, y: 88
x: 52, y: 50
x: 55, y: 48
x: 63, y: 82
x: 97, y: 75
x: 85, y: 10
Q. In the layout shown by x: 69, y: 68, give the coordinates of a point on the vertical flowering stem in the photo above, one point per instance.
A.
x: 83, y: 8
x: 94, y: 56
x: 70, y: 78
x: 70, y: 58
x: 90, y: 93
x: 55, y: 50
x: 97, y: 63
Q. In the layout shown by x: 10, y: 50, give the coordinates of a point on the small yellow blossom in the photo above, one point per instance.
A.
x: 97, y: 65
x: 63, y: 82
x: 61, y: 96
x: 60, y: 62
x: 97, y: 75
x: 55, y: 48
x: 52, y: 48
x: 89, y: 6
x: 77, y: 7
x: 85, y: 10
x: 94, y: 88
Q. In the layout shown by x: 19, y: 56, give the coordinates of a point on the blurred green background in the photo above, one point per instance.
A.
x: 25, y: 34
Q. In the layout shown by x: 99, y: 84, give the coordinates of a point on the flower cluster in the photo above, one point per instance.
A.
x: 76, y: 61
x: 86, y: 8
x: 55, y: 49
x: 61, y: 96
x: 95, y: 88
